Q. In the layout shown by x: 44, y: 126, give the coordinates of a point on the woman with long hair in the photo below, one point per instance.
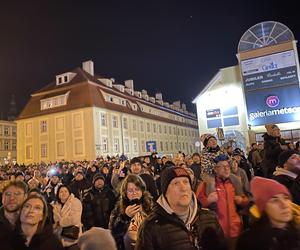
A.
x: 134, y: 204
x: 31, y: 231
x: 67, y: 212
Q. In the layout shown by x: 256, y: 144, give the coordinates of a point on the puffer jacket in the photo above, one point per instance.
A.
x: 65, y: 215
x: 162, y: 230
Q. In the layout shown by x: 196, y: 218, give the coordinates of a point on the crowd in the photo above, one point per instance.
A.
x: 220, y: 198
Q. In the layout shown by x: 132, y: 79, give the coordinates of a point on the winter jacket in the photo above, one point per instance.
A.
x: 272, y: 148
x: 197, y: 170
x: 262, y: 236
x: 51, y: 196
x: 45, y: 240
x: 80, y: 188
x: 150, y: 185
x: 65, y: 215
x: 225, y: 207
x: 290, y: 180
x: 97, y: 207
x: 164, y: 230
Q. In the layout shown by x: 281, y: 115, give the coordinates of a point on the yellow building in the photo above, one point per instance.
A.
x: 81, y: 116
x: 8, y: 141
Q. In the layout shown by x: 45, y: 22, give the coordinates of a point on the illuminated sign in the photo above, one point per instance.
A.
x: 269, y: 71
x: 277, y: 105
x: 212, y: 113
x: 151, y: 146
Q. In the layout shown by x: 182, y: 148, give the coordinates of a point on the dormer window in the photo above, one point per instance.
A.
x: 55, y: 101
x: 64, y: 78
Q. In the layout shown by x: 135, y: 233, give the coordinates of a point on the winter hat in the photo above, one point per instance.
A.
x: 221, y: 157
x: 285, y: 155
x: 97, y: 238
x: 264, y: 189
x: 79, y: 171
x: 169, y: 174
x: 205, y: 138
x: 97, y: 177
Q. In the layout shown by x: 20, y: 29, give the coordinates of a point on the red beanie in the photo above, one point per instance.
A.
x: 264, y: 189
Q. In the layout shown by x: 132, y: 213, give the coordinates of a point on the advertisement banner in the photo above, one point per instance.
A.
x: 269, y: 71
x: 277, y: 105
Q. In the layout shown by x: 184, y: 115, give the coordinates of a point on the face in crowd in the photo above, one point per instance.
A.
x: 179, y: 194
x: 212, y: 142
x: 12, y: 199
x: 222, y: 169
x: 63, y: 194
x: 99, y: 183
x: 133, y: 191
x: 279, y: 210
x: 136, y: 168
x: 32, y: 212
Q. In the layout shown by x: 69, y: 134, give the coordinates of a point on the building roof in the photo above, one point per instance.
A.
x: 86, y: 90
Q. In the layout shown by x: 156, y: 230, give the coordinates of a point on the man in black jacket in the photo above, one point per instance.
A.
x: 288, y: 172
x: 177, y: 222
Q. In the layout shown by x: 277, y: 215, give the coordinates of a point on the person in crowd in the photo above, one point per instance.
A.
x: 13, y: 195
x: 92, y: 170
x: 20, y: 176
x: 224, y: 194
x: 97, y: 238
x: 106, y: 171
x: 229, y: 150
x: 177, y: 221
x: 254, y: 157
x: 196, y: 166
x: 288, y: 172
x: 121, y: 169
x: 33, y: 183
x: 67, y: 211
x: 276, y: 226
x: 238, y: 155
x: 31, y: 231
x: 210, y: 151
x: 136, y: 168
x: 273, y: 146
x: 50, y: 191
x: 80, y: 186
x: 67, y: 174
x: 241, y: 174
x: 134, y: 204
x: 98, y: 204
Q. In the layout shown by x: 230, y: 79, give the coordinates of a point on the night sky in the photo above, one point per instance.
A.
x: 173, y: 47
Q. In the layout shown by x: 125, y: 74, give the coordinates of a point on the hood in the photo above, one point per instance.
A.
x: 162, y: 201
x: 282, y: 171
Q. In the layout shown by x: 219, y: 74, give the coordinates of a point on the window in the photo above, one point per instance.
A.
x: 141, y: 126
x: 14, y: 145
x: 114, y: 121
x: 161, y: 146
x: 6, y: 145
x: 14, y: 131
x: 167, y: 146
x: 159, y: 128
x: 143, y: 149
x: 154, y: 128
x: 148, y: 127
x: 43, y: 126
x: 125, y: 123
x: 103, y: 119
x: 116, y: 145
x: 135, y: 146
x: 55, y: 101
x: 28, y: 152
x: 133, y: 125
x: 170, y: 130
x: 6, y: 130
x: 43, y: 150
x: 60, y: 148
x: 171, y: 146
x: 174, y: 131
x: 104, y: 145
x: 126, y: 145
x: 165, y: 129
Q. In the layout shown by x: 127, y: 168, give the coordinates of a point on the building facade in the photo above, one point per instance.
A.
x: 82, y: 116
x: 8, y: 141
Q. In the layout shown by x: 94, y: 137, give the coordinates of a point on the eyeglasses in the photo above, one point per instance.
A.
x: 10, y: 194
x: 29, y: 207
x: 133, y: 191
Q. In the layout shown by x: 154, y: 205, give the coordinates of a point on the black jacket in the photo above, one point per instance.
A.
x: 150, y: 185
x: 46, y: 240
x: 161, y: 231
x: 97, y: 207
x: 262, y: 237
x: 272, y: 148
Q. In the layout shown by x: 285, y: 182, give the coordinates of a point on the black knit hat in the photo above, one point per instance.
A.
x: 285, y: 155
x: 97, y: 177
x: 169, y: 174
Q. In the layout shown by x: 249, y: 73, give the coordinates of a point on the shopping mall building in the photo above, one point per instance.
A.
x: 262, y: 89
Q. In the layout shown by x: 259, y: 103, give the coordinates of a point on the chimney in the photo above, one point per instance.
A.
x: 158, y: 96
x: 129, y: 84
x: 88, y: 66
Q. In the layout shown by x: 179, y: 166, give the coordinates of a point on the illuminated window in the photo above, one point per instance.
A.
x: 103, y: 119
x: 6, y: 130
x: 116, y: 145
x: 43, y: 126
x: 43, y: 150
x: 104, y: 145
x: 6, y: 145
x: 126, y: 145
x: 53, y: 102
x: 125, y: 123
x: 115, y: 121
x: 135, y: 145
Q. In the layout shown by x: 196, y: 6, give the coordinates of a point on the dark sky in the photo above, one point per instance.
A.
x: 174, y: 47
